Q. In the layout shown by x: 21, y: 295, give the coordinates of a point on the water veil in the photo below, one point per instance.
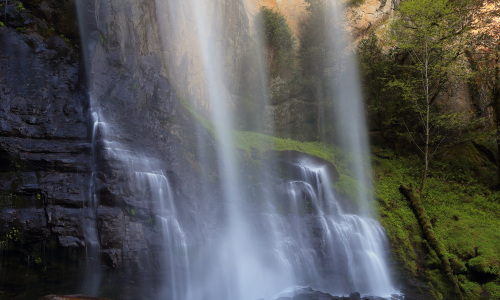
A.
x: 262, y: 226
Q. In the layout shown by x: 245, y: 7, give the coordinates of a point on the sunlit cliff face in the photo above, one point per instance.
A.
x: 489, y: 24
x: 361, y: 17
x: 369, y: 14
x: 234, y: 23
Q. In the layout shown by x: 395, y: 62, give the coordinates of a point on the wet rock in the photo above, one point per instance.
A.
x: 71, y: 297
x: 355, y: 296
x: 44, y: 148
x: 113, y: 258
x: 306, y: 293
x: 111, y: 226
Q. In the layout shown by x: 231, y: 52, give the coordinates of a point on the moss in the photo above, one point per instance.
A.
x: 493, y: 289
x: 463, y: 213
x: 457, y: 265
x: 254, y: 144
x: 348, y: 186
x: 486, y: 266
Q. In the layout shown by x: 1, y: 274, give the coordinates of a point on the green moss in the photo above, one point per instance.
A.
x: 203, y: 121
x: 470, y: 288
x: 250, y: 142
x: 484, y: 265
x: 349, y: 186
x: 493, y: 288
x: 464, y: 214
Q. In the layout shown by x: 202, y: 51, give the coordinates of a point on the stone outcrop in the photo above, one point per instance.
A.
x: 46, y: 151
x: 369, y: 14
x: 227, y: 22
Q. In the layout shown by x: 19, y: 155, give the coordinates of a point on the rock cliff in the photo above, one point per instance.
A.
x: 44, y: 147
x: 43, y: 137
x: 49, y: 167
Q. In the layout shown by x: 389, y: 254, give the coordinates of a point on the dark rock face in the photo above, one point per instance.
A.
x: 43, y: 135
x: 44, y: 148
x: 46, y: 154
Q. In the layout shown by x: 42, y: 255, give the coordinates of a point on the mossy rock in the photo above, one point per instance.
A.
x: 483, y: 267
x: 491, y: 290
x: 457, y: 265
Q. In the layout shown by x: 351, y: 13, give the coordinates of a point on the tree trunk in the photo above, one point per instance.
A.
x: 430, y: 236
x: 495, y: 100
x: 427, y: 128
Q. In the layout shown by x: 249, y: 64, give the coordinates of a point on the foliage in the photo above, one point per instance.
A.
x: 355, y: 3
x: 20, y: 6
x: 429, y: 33
x: 317, y: 65
x: 384, y: 94
x: 279, y: 43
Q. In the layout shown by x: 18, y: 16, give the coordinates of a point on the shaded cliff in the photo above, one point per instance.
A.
x: 44, y: 152
x: 49, y: 167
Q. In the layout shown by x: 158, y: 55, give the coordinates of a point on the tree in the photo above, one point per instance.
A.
x: 430, y: 33
x: 279, y: 43
x: 318, y: 65
x: 385, y: 110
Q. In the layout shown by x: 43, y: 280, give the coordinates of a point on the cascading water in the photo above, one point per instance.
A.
x: 92, y: 276
x: 156, y: 189
x: 261, y: 251
x: 258, y: 240
x: 348, y: 113
x: 336, y: 252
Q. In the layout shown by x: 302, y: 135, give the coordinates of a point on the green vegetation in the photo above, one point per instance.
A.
x: 463, y: 215
x: 483, y: 58
x: 429, y: 33
x: 253, y: 146
x: 20, y: 6
x: 249, y: 141
x: 355, y: 2
x: 279, y: 43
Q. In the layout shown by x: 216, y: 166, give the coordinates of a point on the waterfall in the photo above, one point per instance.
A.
x: 236, y: 239
x: 349, y: 112
x: 92, y: 274
x: 156, y: 188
